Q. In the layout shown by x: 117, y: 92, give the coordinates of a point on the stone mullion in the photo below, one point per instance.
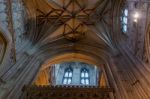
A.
x: 76, y: 74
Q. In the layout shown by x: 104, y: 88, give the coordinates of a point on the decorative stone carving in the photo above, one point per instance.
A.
x: 66, y: 92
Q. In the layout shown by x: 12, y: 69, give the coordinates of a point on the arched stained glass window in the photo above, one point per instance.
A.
x: 84, y: 77
x: 67, y: 79
x: 124, y: 20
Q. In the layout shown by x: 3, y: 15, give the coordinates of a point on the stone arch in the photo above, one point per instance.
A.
x: 70, y: 57
x: 59, y: 58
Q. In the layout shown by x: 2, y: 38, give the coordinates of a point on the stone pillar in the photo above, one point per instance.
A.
x: 21, y: 76
x: 76, y: 74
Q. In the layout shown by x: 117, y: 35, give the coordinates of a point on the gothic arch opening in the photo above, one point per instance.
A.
x: 76, y: 63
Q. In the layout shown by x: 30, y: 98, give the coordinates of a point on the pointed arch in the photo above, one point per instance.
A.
x: 84, y: 76
x: 67, y: 78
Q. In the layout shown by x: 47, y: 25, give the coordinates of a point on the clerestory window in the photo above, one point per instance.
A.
x: 67, y: 79
x: 84, y: 79
x: 124, y: 20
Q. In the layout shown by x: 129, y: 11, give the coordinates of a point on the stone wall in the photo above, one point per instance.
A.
x: 137, y: 30
x: 76, y: 67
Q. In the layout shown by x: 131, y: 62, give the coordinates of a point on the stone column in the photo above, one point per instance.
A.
x: 22, y: 76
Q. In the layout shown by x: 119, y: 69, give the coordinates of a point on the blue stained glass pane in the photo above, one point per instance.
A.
x: 86, y: 74
x: 70, y: 74
x: 66, y: 74
x: 82, y: 81
x: 82, y: 74
x: 125, y: 21
x: 87, y: 81
x: 65, y: 81
x: 124, y: 28
x: 69, y: 81
x: 126, y: 12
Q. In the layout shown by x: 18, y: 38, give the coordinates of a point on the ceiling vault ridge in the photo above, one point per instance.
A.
x: 73, y: 20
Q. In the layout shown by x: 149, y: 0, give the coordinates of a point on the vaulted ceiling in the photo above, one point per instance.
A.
x: 84, y: 26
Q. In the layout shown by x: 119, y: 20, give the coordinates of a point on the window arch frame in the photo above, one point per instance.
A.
x: 67, y: 76
x: 85, y: 79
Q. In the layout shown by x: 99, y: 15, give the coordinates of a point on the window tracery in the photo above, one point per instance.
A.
x: 67, y: 79
x: 124, y: 20
x: 84, y: 79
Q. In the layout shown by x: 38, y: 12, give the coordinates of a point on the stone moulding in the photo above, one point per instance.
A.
x: 69, y: 92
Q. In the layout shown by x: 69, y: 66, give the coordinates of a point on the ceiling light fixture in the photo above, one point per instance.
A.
x: 136, y: 16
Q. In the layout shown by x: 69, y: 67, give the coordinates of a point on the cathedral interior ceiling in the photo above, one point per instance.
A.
x: 77, y: 25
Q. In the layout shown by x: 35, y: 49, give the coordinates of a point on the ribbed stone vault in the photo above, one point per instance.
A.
x: 62, y: 30
x: 77, y: 25
x: 55, y: 28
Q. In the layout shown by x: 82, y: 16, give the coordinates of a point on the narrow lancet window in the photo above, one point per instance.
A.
x: 84, y: 79
x: 67, y: 79
x: 124, y: 20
